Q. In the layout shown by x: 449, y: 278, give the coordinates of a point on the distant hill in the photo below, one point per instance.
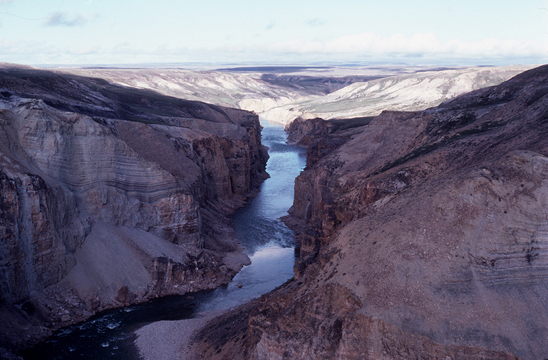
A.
x: 416, y: 91
x: 309, y: 93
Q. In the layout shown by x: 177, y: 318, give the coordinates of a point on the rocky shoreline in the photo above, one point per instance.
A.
x: 171, y: 339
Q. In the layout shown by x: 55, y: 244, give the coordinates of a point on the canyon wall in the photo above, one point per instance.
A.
x: 111, y: 195
x: 422, y: 235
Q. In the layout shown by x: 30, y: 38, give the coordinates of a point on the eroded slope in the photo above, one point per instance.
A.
x: 423, y: 235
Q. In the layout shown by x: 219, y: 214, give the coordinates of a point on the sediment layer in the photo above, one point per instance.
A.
x: 112, y: 195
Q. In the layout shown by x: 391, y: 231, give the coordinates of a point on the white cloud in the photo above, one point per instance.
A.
x: 418, y: 45
x: 417, y: 48
x: 315, y: 22
x: 62, y: 19
x: 5, y: 2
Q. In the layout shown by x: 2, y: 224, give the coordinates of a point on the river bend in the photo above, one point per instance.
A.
x: 268, y: 242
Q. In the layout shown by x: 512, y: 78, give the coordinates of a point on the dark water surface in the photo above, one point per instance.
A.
x: 268, y: 242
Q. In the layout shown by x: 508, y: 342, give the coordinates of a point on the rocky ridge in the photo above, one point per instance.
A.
x: 112, y: 195
x: 422, y: 236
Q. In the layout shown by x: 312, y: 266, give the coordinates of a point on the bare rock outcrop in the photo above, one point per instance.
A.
x: 111, y: 196
x: 423, y: 235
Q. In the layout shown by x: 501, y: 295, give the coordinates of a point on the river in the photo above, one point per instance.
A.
x: 268, y: 242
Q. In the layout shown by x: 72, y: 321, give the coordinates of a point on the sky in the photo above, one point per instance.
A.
x: 429, y: 32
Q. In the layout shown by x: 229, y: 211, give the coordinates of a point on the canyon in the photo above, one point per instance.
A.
x: 117, y: 186
x: 422, y: 235
x: 112, y: 196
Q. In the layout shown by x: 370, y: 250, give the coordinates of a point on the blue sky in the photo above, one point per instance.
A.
x: 86, y: 32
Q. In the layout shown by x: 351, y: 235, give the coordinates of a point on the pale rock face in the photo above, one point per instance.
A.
x: 85, y: 157
x: 402, y: 93
x: 242, y: 91
x: 262, y: 106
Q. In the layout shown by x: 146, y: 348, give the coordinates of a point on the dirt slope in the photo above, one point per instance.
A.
x: 423, y: 235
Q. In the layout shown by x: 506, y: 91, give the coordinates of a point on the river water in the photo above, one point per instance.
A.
x: 268, y: 242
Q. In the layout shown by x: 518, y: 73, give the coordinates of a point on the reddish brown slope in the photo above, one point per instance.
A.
x: 424, y: 235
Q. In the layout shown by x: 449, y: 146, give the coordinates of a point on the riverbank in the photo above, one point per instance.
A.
x: 270, y: 247
x: 269, y: 244
x: 170, y: 340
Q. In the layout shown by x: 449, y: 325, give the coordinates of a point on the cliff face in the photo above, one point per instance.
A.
x: 111, y: 196
x: 422, y: 236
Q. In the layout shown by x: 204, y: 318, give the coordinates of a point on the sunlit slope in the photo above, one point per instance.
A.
x: 244, y: 91
x: 411, y: 89
x: 416, y: 91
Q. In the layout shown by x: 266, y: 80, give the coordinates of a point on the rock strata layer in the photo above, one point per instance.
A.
x: 422, y: 235
x: 111, y: 195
